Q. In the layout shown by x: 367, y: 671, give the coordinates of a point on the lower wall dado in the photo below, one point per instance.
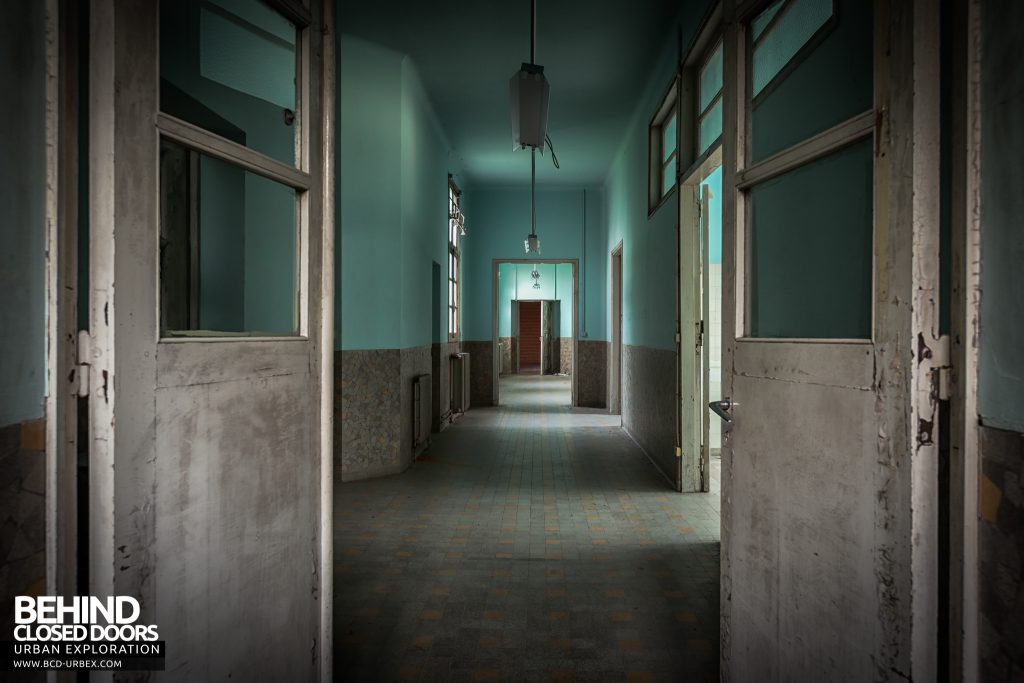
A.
x: 22, y: 515
x: 648, y: 404
x: 505, y: 349
x: 592, y: 373
x: 373, y: 410
x: 481, y: 392
x: 1001, y: 564
x: 565, y: 355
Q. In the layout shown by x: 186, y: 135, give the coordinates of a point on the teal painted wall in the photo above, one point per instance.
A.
x: 392, y: 221
x: 498, y: 220
x: 22, y: 213
x: 515, y: 283
x: 369, y: 221
x: 1001, y: 381
x: 648, y: 243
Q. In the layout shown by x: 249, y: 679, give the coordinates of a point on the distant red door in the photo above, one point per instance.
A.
x: 529, y: 338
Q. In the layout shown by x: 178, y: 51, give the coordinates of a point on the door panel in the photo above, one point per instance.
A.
x: 829, y: 499
x: 529, y: 337
x: 690, y: 300
x: 515, y: 337
x: 232, y: 495
x: 802, y: 454
x: 207, y: 493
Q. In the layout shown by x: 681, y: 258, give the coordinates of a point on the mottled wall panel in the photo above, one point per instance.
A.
x: 1001, y: 556
x: 592, y: 380
x: 373, y: 408
x: 648, y: 404
x: 368, y: 416
x: 480, y: 370
x: 22, y: 516
x: 565, y: 355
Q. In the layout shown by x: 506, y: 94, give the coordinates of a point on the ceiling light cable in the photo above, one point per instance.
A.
x: 554, y: 158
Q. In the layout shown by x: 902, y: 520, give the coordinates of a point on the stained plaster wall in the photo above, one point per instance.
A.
x: 393, y: 160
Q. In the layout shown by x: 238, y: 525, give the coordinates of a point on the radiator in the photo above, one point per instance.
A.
x: 421, y: 410
x: 460, y: 382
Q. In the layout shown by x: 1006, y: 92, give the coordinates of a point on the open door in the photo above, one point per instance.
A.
x: 549, y: 344
x: 830, y: 330
x: 515, y: 337
x: 210, y: 323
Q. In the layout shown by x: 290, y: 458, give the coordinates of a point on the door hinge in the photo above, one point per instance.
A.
x: 679, y: 452
x: 678, y: 338
x: 83, y: 363
x: 942, y: 367
x: 699, y: 334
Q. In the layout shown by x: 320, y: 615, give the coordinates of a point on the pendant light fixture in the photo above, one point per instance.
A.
x: 529, y: 91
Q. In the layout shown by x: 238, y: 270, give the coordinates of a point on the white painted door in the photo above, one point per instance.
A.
x: 545, y: 337
x: 210, y: 464
x: 828, y: 534
x: 692, y: 403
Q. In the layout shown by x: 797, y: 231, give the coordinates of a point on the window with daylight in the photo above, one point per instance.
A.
x: 709, y: 101
x: 780, y: 32
x: 455, y: 230
x: 664, y: 149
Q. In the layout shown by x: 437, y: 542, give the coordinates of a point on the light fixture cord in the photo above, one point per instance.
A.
x: 533, y: 191
x: 533, y: 31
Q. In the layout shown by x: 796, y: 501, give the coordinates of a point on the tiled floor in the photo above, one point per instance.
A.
x: 531, y: 543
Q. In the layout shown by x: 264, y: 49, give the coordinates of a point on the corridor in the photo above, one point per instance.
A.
x: 529, y: 542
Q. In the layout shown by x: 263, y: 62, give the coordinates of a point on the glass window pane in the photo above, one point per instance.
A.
x: 829, y: 85
x: 668, y: 137
x: 227, y: 248
x: 711, y: 78
x: 811, y: 249
x: 760, y: 23
x: 710, y: 128
x: 800, y: 21
x: 229, y: 66
x: 668, y: 177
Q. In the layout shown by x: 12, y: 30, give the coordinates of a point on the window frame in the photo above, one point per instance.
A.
x: 805, y: 50
x: 668, y: 106
x: 750, y: 174
x: 705, y: 41
x: 296, y: 175
x: 717, y: 43
x: 454, y: 261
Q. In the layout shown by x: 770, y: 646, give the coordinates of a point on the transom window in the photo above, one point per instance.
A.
x: 664, y: 148
x: 456, y: 227
x: 709, y: 101
x: 780, y: 32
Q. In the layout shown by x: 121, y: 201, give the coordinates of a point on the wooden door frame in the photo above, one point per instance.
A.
x: 615, y: 309
x: 496, y: 348
x: 965, y: 290
x: 694, y: 474
x: 63, y: 376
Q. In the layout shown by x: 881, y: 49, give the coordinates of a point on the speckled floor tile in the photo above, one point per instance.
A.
x: 532, y: 542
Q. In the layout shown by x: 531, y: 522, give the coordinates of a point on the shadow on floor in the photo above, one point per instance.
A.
x: 529, y: 544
